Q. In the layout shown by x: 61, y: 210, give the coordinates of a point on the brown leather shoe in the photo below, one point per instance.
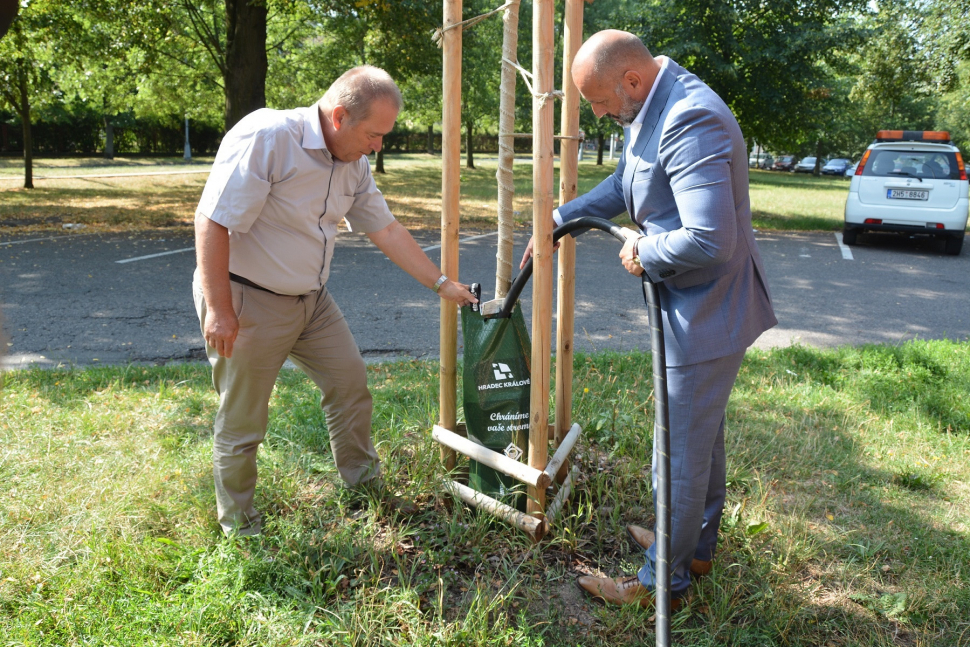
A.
x: 645, y: 539
x: 621, y: 590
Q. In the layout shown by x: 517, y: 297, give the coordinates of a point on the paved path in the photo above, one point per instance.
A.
x: 69, y: 299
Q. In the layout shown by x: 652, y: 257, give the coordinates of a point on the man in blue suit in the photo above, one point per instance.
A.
x: 683, y: 177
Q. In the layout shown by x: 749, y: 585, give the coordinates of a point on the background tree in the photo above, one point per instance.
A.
x: 27, y: 60
x: 8, y: 11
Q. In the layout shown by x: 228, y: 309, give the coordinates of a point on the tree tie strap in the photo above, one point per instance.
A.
x: 471, y: 22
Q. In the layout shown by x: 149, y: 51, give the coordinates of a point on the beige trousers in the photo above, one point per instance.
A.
x: 312, y: 332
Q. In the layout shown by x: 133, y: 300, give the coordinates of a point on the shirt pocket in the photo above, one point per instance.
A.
x: 338, y: 205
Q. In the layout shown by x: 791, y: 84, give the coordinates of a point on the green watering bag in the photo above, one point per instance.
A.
x: 496, y: 385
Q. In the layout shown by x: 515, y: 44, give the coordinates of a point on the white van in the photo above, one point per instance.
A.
x: 912, y: 182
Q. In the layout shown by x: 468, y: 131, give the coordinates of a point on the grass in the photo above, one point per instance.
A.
x: 846, y: 522
x: 412, y: 187
x: 786, y: 201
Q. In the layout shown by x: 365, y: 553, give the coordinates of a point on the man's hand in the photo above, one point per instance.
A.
x: 528, y: 252
x: 220, y: 330
x: 399, y: 246
x: 456, y: 292
x: 629, y: 251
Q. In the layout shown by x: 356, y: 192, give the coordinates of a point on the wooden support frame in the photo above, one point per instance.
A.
x: 532, y: 526
x: 568, y: 188
x: 540, y: 472
x: 552, y: 512
x: 543, y: 50
x: 450, y: 178
x: 519, y: 471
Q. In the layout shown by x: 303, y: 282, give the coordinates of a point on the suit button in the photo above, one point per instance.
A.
x: 666, y: 274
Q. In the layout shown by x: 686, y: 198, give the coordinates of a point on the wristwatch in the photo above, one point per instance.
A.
x: 441, y: 281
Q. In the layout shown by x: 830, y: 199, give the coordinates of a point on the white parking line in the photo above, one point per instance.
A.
x: 82, y: 177
x: 846, y: 252
x: 463, y: 240
x: 34, y: 240
x: 143, y: 258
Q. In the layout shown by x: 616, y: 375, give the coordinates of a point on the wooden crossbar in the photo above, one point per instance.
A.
x: 532, y: 526
x: 519, y: 471
x: 565, y: 447
x: 562, y: 496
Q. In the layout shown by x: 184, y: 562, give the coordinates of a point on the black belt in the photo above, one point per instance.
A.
x: 244, y: 281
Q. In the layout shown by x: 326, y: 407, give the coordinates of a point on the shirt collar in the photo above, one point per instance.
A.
x: 653, y: 89
x: 312, y: 129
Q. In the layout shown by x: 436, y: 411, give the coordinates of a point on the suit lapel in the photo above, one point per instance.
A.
x: 657, y: 104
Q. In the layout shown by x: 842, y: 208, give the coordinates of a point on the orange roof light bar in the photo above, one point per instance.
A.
x: 912, y: 136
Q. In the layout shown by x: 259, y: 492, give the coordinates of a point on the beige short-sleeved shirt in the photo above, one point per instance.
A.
x: 281, y: 194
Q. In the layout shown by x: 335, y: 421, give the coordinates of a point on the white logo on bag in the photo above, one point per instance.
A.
x: 502, y: 371
x: 513, y: 452
x: 503, y: 378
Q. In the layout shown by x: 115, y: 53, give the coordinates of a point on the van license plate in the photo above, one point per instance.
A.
x: 906, y: 194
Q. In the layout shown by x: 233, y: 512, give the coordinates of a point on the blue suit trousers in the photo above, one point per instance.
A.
x: 698, y: 396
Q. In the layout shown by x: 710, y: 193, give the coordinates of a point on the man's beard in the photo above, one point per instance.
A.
x: 629, y: 109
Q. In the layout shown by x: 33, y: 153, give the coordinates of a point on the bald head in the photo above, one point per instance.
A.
x: 609, y: 53
x: 614, y: 71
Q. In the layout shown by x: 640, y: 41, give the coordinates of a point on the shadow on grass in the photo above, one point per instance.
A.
x: 865, y: 554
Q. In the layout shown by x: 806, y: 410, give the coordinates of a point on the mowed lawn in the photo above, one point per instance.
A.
x: 846, y: 522
x: 412, y: 186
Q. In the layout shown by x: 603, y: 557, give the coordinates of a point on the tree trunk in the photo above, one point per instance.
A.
x: 599, y: 149
x: 818, y: 158
x: 25, y: 120
x: 245, y: 75
x: 430, y: 139
x: 109, y: 139
x: 8, y: 11
x: 379, y: 163
x: 469, y: 155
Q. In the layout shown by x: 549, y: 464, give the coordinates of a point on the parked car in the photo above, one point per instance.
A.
x: 783, y: 163
x: 836, y: 166
x: 849, y: 172
x: 760, y: 160
x: 910, y: 182
x: 806, y: 165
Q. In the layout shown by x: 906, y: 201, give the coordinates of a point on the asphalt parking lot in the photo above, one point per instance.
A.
x: 84, y: 299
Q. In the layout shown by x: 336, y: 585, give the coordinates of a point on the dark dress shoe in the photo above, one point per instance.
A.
x: 645, y: 539
x: 621, y: 590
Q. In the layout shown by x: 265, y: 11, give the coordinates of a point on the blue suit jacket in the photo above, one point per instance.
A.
x: 686, y: 188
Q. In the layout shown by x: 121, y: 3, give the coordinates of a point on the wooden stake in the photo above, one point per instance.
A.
x: 532, y: 526
x: 450, y: 176
x: 543, y: 51
x: 519, y: 471
x: 568, y: 179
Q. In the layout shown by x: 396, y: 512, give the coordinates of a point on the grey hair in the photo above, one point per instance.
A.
x: 610, y: 53
x: 358, y: 89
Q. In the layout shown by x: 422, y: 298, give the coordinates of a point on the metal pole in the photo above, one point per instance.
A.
x: 188, y: 147
x: 661, y: 439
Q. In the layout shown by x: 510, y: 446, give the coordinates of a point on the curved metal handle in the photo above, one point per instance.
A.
x: 585, y: 223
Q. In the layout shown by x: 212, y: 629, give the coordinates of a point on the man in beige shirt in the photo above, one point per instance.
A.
x: 265, y: 229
